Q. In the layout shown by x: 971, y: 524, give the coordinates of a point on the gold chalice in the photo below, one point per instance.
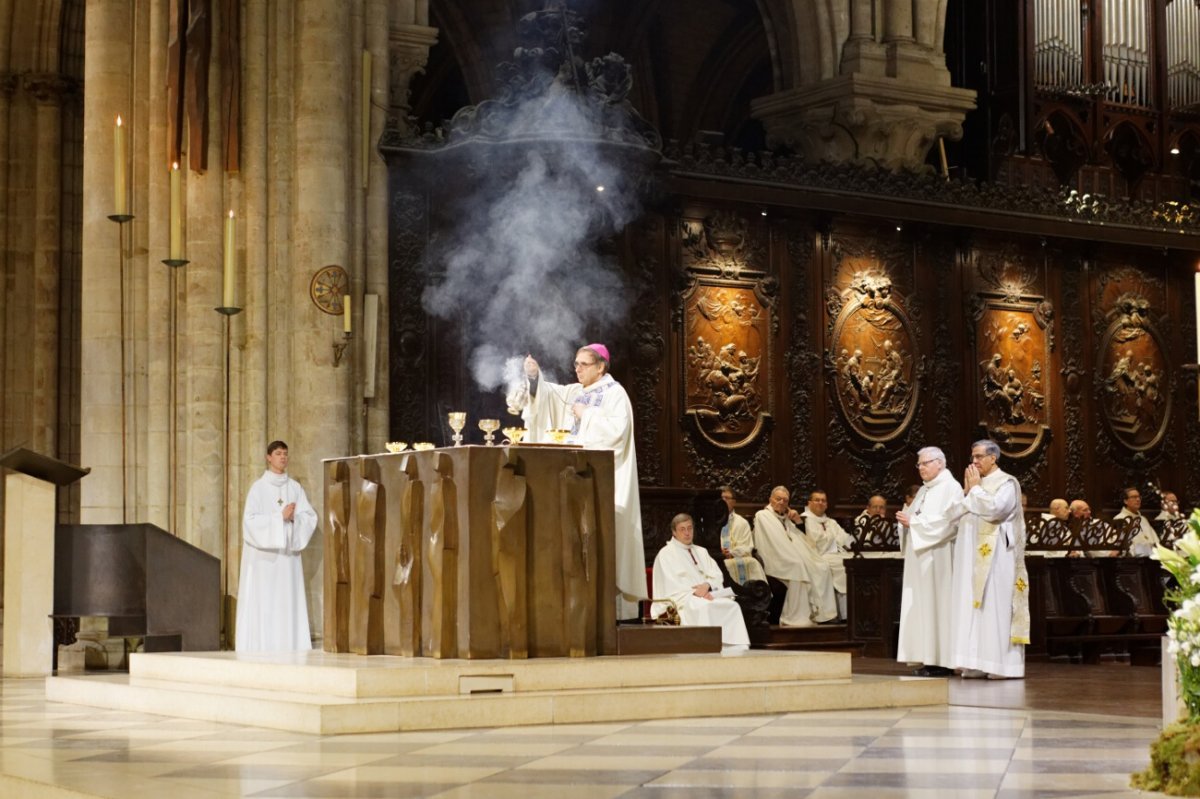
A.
x: 421, y: 446
x: 513, y: 435
x: 457, y: 420
x: 396, y: 446
x: 489, y: 427
x: 558, y: 436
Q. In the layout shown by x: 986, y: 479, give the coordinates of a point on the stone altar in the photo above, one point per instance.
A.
x: 471, y: 552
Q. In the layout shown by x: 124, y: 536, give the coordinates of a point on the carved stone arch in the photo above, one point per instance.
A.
x: 715, y: 90
x: 464, y: 35
x: 35, y: 36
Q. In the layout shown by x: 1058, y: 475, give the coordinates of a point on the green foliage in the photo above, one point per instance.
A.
x: 1174, y: 762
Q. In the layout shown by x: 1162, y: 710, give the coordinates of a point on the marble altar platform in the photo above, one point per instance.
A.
x: 328, y: 694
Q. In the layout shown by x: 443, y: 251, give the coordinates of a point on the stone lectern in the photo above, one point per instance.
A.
x: 471, y: 552
x: 29, y: 525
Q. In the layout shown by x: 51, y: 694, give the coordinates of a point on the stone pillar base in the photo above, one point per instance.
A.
x: 863, y: 119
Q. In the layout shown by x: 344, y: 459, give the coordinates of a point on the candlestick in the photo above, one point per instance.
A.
x: 176, y: 213
x: 230, y: 243
x: 346, y: 327
x: 120, y: 201
x: 1198, y: 314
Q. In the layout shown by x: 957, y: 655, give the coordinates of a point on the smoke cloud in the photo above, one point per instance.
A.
x: 522, y: 267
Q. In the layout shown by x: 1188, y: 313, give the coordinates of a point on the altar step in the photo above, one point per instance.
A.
x: 822, y: 637
x: 327, y: 694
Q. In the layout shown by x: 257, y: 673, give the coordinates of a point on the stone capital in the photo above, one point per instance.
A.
x: 408, y: 52
x: 47, y: 87
x: 865, y: 119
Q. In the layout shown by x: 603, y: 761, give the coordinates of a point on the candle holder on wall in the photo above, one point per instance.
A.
x: 339, y: 348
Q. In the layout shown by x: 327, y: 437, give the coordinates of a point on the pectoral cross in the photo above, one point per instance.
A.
x: 279, y: 502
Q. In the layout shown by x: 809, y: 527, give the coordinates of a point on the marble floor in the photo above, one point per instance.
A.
x: 1002, y: 739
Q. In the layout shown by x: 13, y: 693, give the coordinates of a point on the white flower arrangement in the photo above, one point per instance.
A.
x: 1183, y: 625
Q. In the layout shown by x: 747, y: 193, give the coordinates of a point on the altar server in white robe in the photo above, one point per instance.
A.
x: 277, y: 525
x: 689, y: 577
x: 928, y: 524
x: 599, y: 415
x: 1145, y: 539
x: 737, y: 544
x: 790, y: 556
x: 991, y: 587
x: 831, y: 541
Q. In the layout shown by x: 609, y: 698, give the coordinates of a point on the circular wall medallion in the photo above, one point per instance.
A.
x: 327, y: 288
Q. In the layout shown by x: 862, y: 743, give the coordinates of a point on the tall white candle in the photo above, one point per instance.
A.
x: 346, y: 313
x: 230, y: 243
x: 176, y: 213
x: 120, y: 202
x: 1198, y: 313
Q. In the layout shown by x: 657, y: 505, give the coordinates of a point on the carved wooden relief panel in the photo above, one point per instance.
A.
x: 1133, y: 372
x: 727, y: 310
x: 873, y: 360
x: 1014, y: 338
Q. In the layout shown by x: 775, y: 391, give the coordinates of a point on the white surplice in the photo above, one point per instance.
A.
x: 678, y: 568
x: 607, y: 423
x: 789, y: 556
x: 271, y: 612
x: 982, y: 635
x: 1145, y: 540
x: 927, y: 596
x: 738, y: 538
x: 832, y: 543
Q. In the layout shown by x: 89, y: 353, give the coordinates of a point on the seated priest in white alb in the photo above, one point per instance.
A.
x: 831, y: 541
x: 1145, y: 540
x: 737, y: 544
x: 1170, y: 508
x: 790, y: 556
x: 689, y: 577
x: 876, y: 506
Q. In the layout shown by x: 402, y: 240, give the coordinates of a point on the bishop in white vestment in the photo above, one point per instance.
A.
x: 928, y: 526
x: 689, y: 577
x: 599, y: 415
x: 991, y: 597
x: 788, y: 555
x: 277, y: 524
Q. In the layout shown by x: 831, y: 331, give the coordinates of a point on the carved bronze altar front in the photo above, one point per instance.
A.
x: 472, y: 552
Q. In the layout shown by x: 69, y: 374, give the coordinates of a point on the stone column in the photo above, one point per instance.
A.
x: 47, y: 91
x: 890, y: 100
x: 106, y: 76
x: 322, y: 225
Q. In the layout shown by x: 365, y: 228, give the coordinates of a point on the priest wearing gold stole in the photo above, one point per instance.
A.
x: 991, y: 588
x: 597, y: 412
x: 689, y: 577
x: 737, y: 544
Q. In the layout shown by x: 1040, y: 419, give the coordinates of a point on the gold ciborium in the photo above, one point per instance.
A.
x: 457, y: 420
x: 558, y: 436
x: 396, y: 446
x: 421, y: 446
x: 489, y: 427
x: 513, y: 435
